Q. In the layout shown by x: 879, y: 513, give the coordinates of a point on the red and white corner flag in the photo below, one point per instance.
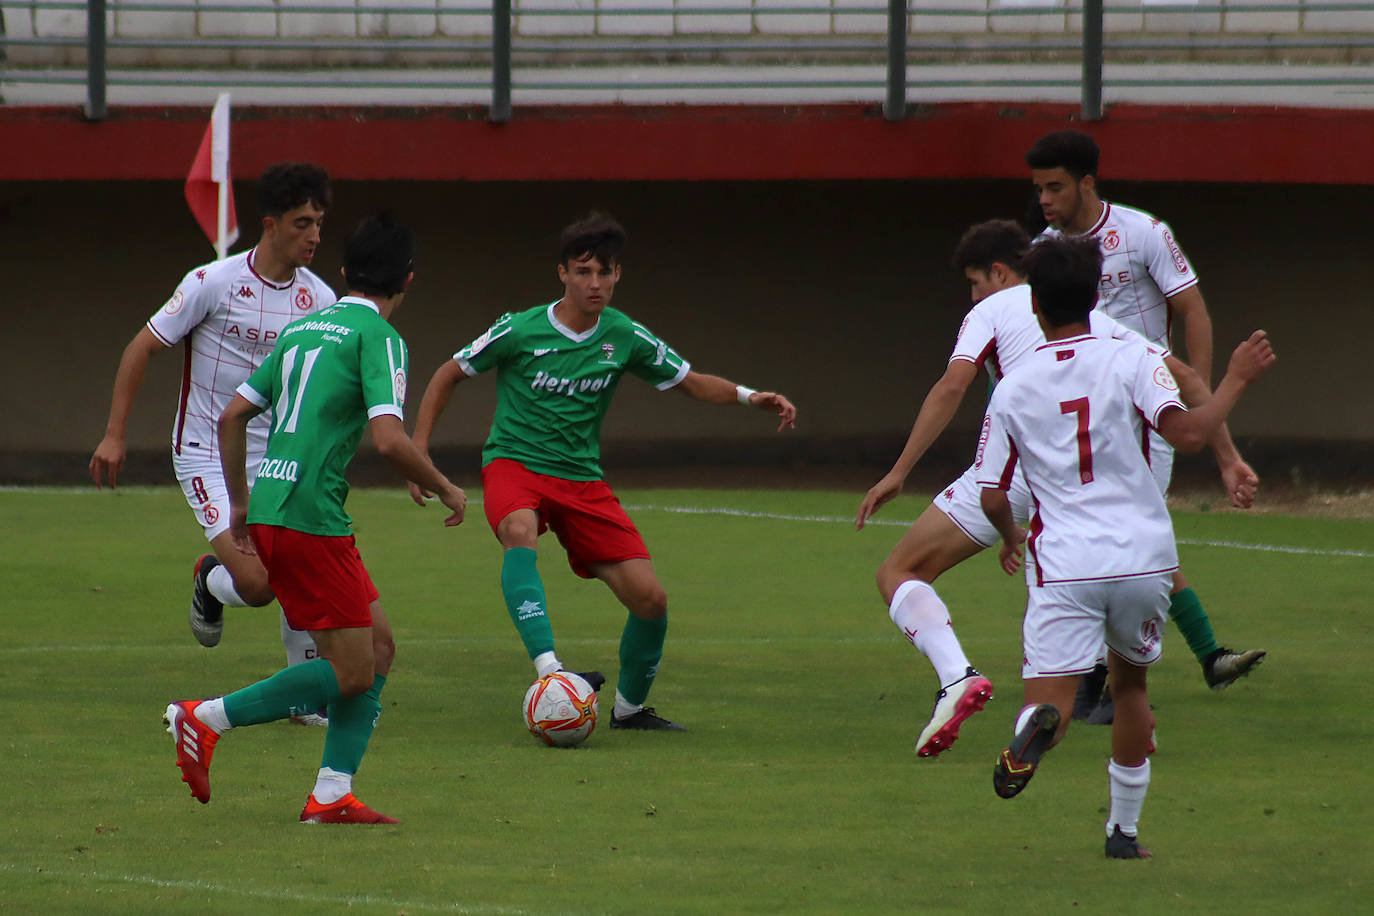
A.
x: 209, y: 192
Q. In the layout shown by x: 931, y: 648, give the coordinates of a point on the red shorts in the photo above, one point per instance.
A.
x: 319, y: 580
x: 584, y: 514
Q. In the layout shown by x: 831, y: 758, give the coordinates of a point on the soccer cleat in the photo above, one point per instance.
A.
x: 347, y: 810
x: 594, y: 678
x: 1090, y: 690
x: 645, y: 720
x: 1120, y: 846
x: 195, y: 746
x: 320, y: 719
x: 1105, y: 710
x: 207, y: 613
x: 953, y: 704
x: 1224, y: 667
x: 1017, y: 764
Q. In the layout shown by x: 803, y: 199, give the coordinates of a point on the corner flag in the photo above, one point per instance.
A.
x: 209, y: 192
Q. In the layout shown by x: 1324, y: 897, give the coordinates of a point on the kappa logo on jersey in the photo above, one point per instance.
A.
x: 200, y: 275
x: 1180, y: 262
x: 175, y: 303
x: 1165, y: 379
x: 1111, y: 241
x: 245, y: 293
x: 304, y: 301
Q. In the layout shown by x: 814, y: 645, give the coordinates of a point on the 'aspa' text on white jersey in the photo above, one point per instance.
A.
x: 1001, y: 330
x: 1073, y: 416
x: 230, y: 318
x: 1142, y: 266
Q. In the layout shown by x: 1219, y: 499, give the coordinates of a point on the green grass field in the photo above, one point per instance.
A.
x: 795, y: 789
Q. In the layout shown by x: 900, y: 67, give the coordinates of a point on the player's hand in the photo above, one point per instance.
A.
x: 108, y: 460
x: 419, y: 494
x: 1252, y: 358
x: 1241, y: 483
x: 771, y: 400
x: 456, y: 500
x: 238, y: 530
x: 877, y: 496
x: 1009, y: 556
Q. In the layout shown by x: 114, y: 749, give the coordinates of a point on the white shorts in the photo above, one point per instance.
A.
x: 202, y: 482
x: 1066, y: 625
x: 962, y: 502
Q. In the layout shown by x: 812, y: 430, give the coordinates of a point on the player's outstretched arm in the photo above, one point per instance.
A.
x: 936, y: 411
x: 108, y: 459
x: 1188, y: 431
x: 435, y: 399
x: 715, y: 390
x: 233, y: 460
x: 1238, y: 479
x: 389, y: 435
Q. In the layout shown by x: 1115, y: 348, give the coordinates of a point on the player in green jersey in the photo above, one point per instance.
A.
x: 557, y: 367
x: 330, y: 375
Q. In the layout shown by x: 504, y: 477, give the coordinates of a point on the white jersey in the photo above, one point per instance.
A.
x: 1073, y: 416
x: 230, y: 318
x: 1001, y: 330
x: 1142, y: 266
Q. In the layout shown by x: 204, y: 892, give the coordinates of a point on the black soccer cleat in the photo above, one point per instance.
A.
x: 594, y: 678
x: 646, y: 720
x: 207, y: 613
x: 1224, y: 667
x: 1120, y: 846
x: 1016, y: 765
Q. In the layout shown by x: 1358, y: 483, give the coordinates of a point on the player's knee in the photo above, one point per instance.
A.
x: 651, y: 603
x: 383, y: 651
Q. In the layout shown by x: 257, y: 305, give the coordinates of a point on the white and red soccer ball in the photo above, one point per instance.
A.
x: 560, y: 709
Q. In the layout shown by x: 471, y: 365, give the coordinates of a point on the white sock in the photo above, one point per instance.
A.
x: 221, y: 584
x: 331, y: 785
x: 919, y: 613
x: 211, y: 714
x: 1023, y: 719
x: 1129, y: 785
x: 300, y: 647
x: 546, y: 663
x: 624, y: 707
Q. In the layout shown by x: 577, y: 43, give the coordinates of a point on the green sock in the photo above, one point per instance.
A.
x: 641, y: 648
x: 524, y: 592
x: 309, y: 685
x: 1186, y: 611
x: 351, y: 722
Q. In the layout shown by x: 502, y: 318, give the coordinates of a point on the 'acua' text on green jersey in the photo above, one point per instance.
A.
x: 328, y: 375
x: 553, y: 385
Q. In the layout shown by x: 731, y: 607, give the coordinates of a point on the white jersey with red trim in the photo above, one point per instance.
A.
x: 1142, y: 266
x: 230, y: 318
x: 1001, y: 330
x: 1072, y: 417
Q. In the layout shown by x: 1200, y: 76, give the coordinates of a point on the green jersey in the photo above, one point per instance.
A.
x: 553, y: 385
x: 328, y: 375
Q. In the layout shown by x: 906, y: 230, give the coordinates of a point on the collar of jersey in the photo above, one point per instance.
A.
x: 358, y: 300
x: 1101, y: 220
x: 1049, y: 345
x: 287, y: 285
x: 568, y: 332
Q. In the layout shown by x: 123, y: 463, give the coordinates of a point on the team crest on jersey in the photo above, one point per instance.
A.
x: 607, y: 352
x: 398, y: 385
x: 1165, y: 379
x: 1111, y: 241
x: 304, y: 301
x: 175, y: 303
x: 1149, y: 637
x: 211, y: 515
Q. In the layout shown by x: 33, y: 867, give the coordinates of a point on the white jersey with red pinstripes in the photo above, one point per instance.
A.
x: 1071, y: 416
x: 1142, y: 266
x: 1001, y: 330
x: 229, y: 318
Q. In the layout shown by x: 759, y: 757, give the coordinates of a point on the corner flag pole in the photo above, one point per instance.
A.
x: 219, y: 172
x: 209, y: 186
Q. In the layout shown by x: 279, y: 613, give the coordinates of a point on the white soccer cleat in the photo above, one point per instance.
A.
x: 953, y: 704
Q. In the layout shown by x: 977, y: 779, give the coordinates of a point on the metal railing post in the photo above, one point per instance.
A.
x: 894, y: 108
x: 1092, y: 60
x: 95, y: 60
x: 500, y: 61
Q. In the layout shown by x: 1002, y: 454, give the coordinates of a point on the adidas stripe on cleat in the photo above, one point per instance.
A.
x: 195, y: 743
x: 347, y: 810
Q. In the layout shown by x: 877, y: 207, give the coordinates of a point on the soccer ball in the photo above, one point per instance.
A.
x: 560, y: 709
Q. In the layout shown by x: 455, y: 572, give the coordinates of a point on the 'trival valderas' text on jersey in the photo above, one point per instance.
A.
x: 553, y: 385
x: 321, y: 371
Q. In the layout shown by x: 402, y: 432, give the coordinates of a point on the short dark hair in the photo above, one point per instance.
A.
x: 1072, y: 150
x: 285, y: 186
x: 1064, y: 272
x: 997, y: 241
x: 378, y: 256
x: 596, y: 235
